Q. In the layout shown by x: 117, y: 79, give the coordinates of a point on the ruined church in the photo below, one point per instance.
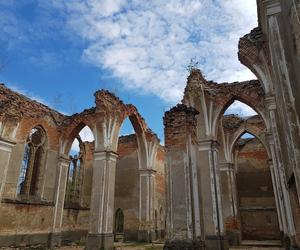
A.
x: 208, y: 187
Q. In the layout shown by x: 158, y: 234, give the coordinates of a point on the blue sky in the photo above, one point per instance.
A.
x: 60, y: 52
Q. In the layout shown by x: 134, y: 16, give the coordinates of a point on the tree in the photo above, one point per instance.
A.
x: 192, y: 65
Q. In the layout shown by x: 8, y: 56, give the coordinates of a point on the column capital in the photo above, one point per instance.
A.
x: 106, y: 155
x: 6, y: 145
x: 64, y: 159
x: 147, y: 171
x: 270, y: 138
x: 272, y: 7
x: 270, y: 163
x: 270, y: 102
x: 226, y: 166
x: 207, y: 144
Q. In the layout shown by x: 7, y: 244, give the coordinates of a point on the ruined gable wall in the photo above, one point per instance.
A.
x: 18, y: 115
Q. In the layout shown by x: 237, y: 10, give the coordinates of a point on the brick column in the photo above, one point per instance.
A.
x: 146, y: 205
x: 229, y: 201
x: 100, y: 234
x: 5, y: 153
x: 59, y: 199
x: 184, y: 211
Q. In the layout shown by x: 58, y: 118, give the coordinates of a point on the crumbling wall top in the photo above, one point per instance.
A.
x: 231, y: 123
x: 106, y: 100
x: 249, y: 92
x: 18, y: 105
x: 179, y: 122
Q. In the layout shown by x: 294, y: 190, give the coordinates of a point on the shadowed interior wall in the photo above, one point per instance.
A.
x: 257, y: 206
x: 128, y: 186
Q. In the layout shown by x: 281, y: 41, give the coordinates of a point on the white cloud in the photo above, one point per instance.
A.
x: 75, y: 147
x: 85, y: 134
x: 148, y: 44
x: 240, y: 109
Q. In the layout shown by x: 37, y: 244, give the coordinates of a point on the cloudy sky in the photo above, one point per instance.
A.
x: 60, y: 51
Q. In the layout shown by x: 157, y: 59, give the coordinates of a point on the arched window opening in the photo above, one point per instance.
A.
x: 31, y: 166
x: 119, y: 221
x: 240, y: 109
x: 74, y: 173
x: 76, y: 167
x: 247, y: 135
x: 36, y: 170
x: 127, y: 128
x: 127, y: 136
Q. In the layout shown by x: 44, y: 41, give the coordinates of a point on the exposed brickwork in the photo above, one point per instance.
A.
x: 232, y: 224
x: 252, y: 149
x: 18, y: 105
x: 127, y: 144
x: 232, y: 122
x: 249, y: 47
x: 179, y: 122
x: 161, y: 154
x: 19, y: 114
x: 253, y: 124
x: 223, y: 94
x: 18, y: 110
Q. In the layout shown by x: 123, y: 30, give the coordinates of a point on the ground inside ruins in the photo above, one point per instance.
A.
x: 268, y: 245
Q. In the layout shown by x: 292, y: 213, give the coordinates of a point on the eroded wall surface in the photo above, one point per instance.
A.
x: 127, y: 196
x: 42, y: 215
x: 257, y: 208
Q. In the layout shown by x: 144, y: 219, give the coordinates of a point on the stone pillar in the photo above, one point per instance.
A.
x: 284, y: 210
x: 229, y: 200
x: 211, y: 195
x: 100, y: 234
x: 5, y: 153
x: 59, y: 199
x: 146, y: 205
x: 277, y: 195
x: 184, y: 211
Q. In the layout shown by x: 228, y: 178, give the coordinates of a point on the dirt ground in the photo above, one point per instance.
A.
x: 139, y: 246
x: 122, y: 246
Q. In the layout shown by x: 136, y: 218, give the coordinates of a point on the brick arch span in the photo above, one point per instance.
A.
x: 105, y: 121
x: 72, y: 126
x: 111, y: 113
x: 147, y: 140
x: 232, y: 127
x: 250, y: 93
x: 253, y: 53
x: 254, y: 129
x: 211, y: 99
